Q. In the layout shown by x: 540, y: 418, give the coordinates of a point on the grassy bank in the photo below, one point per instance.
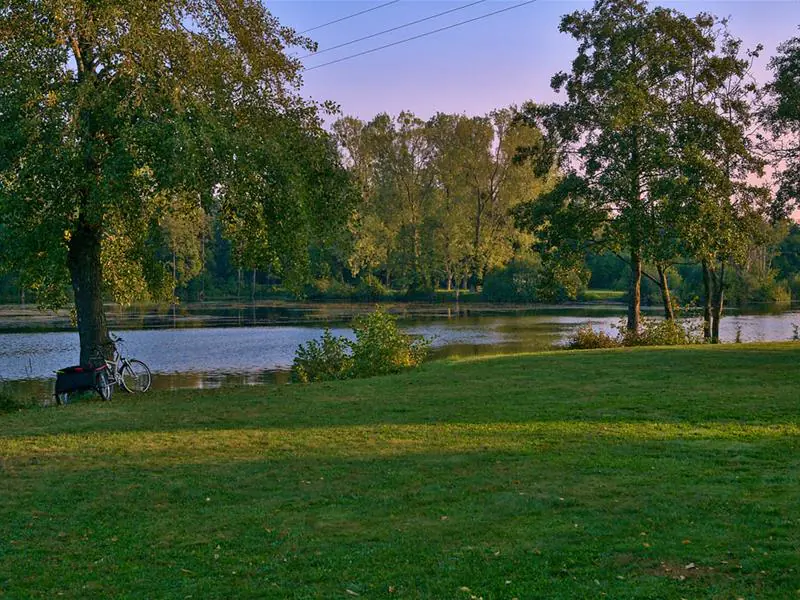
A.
x: 644, y: 473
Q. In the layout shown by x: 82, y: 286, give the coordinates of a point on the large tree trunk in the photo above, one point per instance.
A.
x: 87, y: 282
x: 706, y: 303
x: 669, y: 313
x: 635, y: 292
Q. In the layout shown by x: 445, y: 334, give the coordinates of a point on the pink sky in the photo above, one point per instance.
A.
x: 504, y: 59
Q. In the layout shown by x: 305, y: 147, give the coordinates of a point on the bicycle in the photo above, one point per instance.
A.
x: 130, y: 373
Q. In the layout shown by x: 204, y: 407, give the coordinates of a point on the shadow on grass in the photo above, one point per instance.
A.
x: 575, y: 517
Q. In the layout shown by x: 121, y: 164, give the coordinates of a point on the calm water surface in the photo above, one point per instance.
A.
x: 221, y: 344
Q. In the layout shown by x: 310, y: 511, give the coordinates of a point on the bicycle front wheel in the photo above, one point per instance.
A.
x: 135, y: 376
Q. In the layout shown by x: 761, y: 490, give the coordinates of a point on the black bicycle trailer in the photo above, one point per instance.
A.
x: 80, y: 378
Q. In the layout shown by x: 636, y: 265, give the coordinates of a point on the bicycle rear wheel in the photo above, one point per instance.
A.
x: 104, y: 386
x: 135, y: 376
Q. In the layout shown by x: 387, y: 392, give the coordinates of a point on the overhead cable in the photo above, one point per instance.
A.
x: 421, y: 35
x: 409, y: 24
x: 339, y: 20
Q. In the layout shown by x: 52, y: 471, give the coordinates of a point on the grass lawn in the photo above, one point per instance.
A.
x: 633, y: 473
x: 599, y: 295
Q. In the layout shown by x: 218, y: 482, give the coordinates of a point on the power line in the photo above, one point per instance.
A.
x: 339, y: 20
x: 421, y: 35
x: 367, y: 37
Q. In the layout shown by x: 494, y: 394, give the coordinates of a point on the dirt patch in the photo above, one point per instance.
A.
x: 679, y: 571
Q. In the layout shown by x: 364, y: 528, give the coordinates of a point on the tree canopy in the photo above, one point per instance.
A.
x: 783, y: 116
x: 115, y: 115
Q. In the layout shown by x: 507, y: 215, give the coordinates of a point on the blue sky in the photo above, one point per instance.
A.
x: 494, y: 62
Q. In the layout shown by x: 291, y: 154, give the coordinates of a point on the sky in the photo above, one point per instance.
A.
x: 490, y: 63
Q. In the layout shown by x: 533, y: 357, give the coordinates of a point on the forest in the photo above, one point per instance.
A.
x: 436, y: 215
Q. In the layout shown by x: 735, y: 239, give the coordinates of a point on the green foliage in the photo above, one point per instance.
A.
x: 369, y: 288
x: 436, y: 195
x: 11, y: 402
x: 379, y: 348
x: 652, y: 332
x: 586, y: 337
x: 783, y: 117
x: 758, y: 287
x: 654, y: 165
x: 794, y: 287
x: 8, y: 403
x: 660, y: 332
x: 124, y: 125
x: 323, y: 360
x: 328, y: 289
x: 518, y: 281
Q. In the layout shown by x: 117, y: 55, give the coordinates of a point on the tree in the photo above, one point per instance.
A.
x: 717, y: 211
x: 108, y: 107
x: 496, y: 184
x: 653, y: 140
x: 611, y: 136
x: 782, y: 116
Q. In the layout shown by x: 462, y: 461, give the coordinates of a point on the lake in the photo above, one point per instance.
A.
x: 215, y: 344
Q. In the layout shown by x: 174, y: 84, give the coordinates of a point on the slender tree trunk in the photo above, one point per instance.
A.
x: 86, y: 273
x: 706, y: 303
x: 669, y: 312
x: 635, y: 291
x: 717, y: 303
x: 476, y: 246
x: 203, y: 272
x: 416, y: 276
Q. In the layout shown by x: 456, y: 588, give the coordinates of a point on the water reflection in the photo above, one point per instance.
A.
x: 192, y: 348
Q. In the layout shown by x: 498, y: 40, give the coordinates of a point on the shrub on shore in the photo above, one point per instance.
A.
x: 652, y: 332
x: 380, y: 348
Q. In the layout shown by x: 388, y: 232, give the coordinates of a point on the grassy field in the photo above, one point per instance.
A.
x: 636, y: 473
x: 602, y: 295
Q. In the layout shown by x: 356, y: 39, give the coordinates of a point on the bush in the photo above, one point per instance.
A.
x: 794, y: 287
x: 586, y: 338
x: 323, y: 360
x: 660, y: 332
x: 9, y: 403
x: 370, y: 288
x: 328, y: 289
x: 653, y: 332
x: 380, y: 348
x: 753, y: 287
x: 420, y: 293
